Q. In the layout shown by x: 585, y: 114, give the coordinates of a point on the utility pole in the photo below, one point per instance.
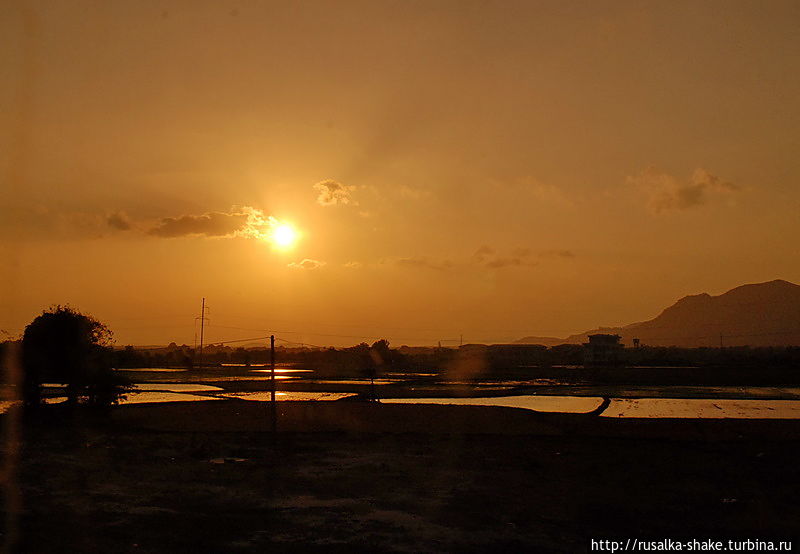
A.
x: 272, y: 384
x: 202, y: 319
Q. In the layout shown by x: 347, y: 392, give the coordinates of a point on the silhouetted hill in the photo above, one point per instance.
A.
x: 545, y: 341
x: 761, y: 314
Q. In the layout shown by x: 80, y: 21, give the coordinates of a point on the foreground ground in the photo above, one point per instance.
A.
x: 349, y: 476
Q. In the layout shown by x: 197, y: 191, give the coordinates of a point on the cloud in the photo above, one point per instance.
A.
x: 413, y: 192
x: 564, y: 254
x: 353, y: 265
x: 550, y: 194
x: 332, y: 193
x: 213, y: 224
x: 307, y: 263
x: 537, y: 191
x: 482, y: 253
x: 424, y: 262
x: 487, y: 256
x: 498, y: 263
x: 246, y: 222
x: 712, y: 182
x: 119, y: 221
x: 666, y: 193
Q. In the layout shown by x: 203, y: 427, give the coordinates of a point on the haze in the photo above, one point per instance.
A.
x: 491, y: 170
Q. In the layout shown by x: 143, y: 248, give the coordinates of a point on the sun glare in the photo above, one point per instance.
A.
x: 284, y: 236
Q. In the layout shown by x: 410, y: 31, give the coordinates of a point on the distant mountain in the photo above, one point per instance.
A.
x: 761, y: 314
x: 545, y: 341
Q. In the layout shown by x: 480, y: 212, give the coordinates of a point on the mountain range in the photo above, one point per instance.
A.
x: 760, y: 314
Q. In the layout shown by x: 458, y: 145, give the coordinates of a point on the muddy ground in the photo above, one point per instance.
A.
x: 349, y: 476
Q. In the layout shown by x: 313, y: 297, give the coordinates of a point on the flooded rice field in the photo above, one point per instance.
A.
x: 252, y: 383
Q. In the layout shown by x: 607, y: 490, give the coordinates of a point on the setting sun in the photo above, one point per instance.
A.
x: 284, y: 236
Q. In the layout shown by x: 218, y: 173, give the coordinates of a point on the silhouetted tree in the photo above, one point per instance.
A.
x: 379, y: 356
x: 65, y: 346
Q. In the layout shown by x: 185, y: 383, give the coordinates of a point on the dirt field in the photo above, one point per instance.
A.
x: 352, y: 476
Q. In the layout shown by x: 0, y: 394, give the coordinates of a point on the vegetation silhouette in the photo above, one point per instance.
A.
x: 65, y: 346
x: 642, y: 365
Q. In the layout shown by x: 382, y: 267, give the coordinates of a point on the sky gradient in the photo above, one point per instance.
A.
x: 492, y: 170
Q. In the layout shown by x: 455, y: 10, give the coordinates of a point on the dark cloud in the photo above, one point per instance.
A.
x: 712, y: 182
x: 668, y: 193
x: 497, y: 263
x: 213, y: 224
x: 424, y: 262
x: 482, y: 253
x: 307, y: 263
x: 557, y: 254
x: 119, y: 221
x: 487, y: 256
x: 332, y: 193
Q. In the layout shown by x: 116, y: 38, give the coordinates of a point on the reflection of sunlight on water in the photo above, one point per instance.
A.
x: 54, y: 400
x: 221, y: 378
x: 191, y: 378
x: 147, y: 397
x: 633, y: 408
x: 701, y: 391
x: 705, y: 408
x: 568, y: 404
x: 283, y: 370
x: 175, y: 387
x: 154, y: 370
x: 290, y: 396
x: 5, y: 405
x: 525, y: 383
x: 355, y: 381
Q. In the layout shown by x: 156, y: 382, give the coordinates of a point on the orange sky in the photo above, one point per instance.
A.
x: 488, y: 169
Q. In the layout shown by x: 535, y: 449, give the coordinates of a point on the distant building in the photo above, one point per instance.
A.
x: 602, y: 350
x: 516, y: 355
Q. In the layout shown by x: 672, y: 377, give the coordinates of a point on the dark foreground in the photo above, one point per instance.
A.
x: 347, y: 476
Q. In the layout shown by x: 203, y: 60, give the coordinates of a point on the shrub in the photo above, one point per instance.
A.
x: 65, y: 346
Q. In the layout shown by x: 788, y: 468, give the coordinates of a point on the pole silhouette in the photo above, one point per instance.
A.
x: 202, y: 331
x: 274, y: 406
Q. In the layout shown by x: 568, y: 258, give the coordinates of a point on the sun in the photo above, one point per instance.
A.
x: 284, y: 236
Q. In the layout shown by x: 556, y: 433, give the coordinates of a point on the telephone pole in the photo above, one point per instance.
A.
x: 202, y: 319
x: 272, y: 384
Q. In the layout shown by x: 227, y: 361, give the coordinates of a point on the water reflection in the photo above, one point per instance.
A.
x: 700, y: 408
x: 176, y: 387
x: 704, y: 408
x: 356, y: 381
x: 566, y: 404
x: 192, y: 378
x: 55, y: 399
x: 6, y: 405
x: 283, y: 370
x: 154, y: 370
x: 290, y: 396
x: 149, y: 397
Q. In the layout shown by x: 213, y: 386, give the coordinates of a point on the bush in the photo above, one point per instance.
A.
x: 65, y: 346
